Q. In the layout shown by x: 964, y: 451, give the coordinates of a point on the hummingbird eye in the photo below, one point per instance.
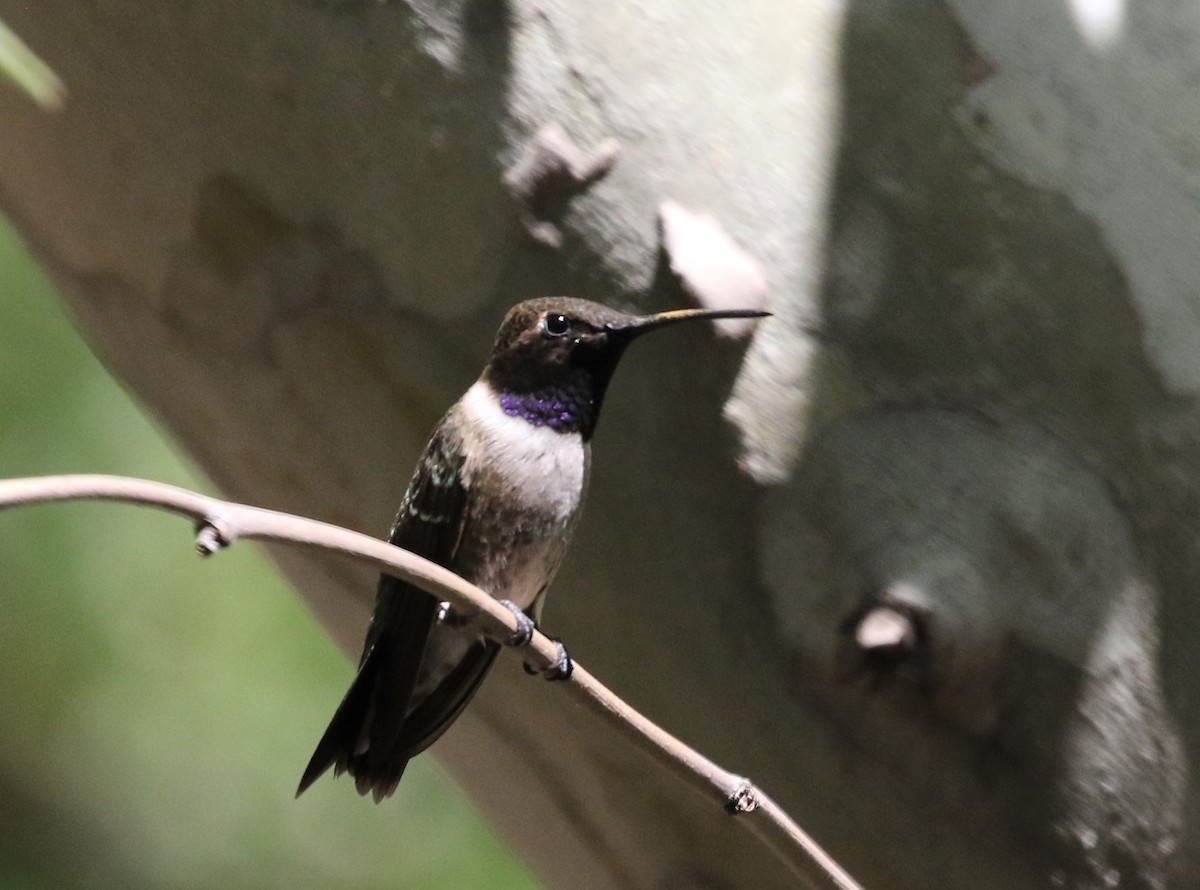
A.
x: 555, y: 324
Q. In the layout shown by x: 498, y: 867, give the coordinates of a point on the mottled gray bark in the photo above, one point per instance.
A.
x: 283, y: 224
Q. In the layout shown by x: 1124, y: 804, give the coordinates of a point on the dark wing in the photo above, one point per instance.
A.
x: 441, y: 707
x: 368, y: 735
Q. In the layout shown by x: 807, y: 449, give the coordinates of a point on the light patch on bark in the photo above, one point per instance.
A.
x: 1111, y: 124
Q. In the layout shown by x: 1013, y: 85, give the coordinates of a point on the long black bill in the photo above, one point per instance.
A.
x: 640, y: 324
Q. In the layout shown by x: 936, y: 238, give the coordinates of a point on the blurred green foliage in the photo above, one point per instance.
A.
x: 157, y: 709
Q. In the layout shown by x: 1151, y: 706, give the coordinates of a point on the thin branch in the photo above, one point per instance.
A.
x: 220, y: 523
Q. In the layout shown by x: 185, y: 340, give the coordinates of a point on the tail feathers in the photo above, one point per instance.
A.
x: 366, y: 736
x: 381, y: 781
x: 345, y: 744
x: 343, y: 736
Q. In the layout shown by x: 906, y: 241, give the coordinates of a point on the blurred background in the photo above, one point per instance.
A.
x: 158, y: 709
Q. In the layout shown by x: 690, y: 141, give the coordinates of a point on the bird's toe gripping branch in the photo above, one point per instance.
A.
x: 525, y: 626
x: 560, y: 668
x: 562, y: 665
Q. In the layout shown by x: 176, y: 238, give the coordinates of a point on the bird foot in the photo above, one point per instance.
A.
x: 525, y: 626
x: 562, y: 666
x: 559, y: 669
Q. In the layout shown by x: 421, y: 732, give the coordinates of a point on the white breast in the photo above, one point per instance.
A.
x: 538, y: 467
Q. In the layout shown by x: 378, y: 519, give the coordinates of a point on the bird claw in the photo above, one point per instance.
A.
x: 559, y: 669
x: 562, y: 666
x: 525, y: 626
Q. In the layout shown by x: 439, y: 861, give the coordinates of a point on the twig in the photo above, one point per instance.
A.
x: 220, y: 523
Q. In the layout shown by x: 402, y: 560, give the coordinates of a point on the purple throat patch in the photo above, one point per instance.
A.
x: 564, y: 407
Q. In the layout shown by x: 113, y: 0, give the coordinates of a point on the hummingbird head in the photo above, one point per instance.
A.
x: 554, y: 356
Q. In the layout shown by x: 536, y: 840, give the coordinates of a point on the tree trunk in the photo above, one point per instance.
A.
x: 931, y: 585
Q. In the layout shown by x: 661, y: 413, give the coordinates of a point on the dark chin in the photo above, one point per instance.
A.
x: 599, y: 356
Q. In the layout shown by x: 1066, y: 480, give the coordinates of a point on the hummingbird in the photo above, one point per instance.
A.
x: 494, y: 498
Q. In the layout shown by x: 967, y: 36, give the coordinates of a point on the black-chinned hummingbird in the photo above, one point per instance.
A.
x: 494, y: 499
